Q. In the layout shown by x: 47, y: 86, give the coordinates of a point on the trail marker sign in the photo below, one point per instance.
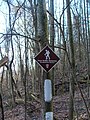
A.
x: 47, y: 58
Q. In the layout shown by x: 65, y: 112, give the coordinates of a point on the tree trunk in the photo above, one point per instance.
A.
x: 88, y: 48
x: 1, y: 105
x: 1, y: 101
x: 42, y: 34
x: 52, y: 35
x: 72, y: 80
x: 26, y: 60
x: 11, y: 62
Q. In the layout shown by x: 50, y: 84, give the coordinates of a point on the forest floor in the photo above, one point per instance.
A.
x: 60, y: 108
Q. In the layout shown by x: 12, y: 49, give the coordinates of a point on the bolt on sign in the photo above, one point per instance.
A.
x: 47, y: 58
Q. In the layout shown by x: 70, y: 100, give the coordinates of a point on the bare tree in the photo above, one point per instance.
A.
x: 52, y: 37
x: 72, y: 79
x: 10, y: 66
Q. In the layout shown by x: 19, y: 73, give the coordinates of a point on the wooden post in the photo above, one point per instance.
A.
x: 48, y: 99
x: 47, y: 59
x: 3, y: 61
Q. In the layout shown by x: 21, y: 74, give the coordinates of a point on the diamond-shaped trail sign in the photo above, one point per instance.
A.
x: 47, y: 58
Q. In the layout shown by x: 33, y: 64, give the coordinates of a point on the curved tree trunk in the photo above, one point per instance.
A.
x: 11, y: 62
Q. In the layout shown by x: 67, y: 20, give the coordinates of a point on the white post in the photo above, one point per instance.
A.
x: 48, y: 99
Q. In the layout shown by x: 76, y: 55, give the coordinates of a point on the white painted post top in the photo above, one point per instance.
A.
x: 49, y: 116
x: 47, y: 90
